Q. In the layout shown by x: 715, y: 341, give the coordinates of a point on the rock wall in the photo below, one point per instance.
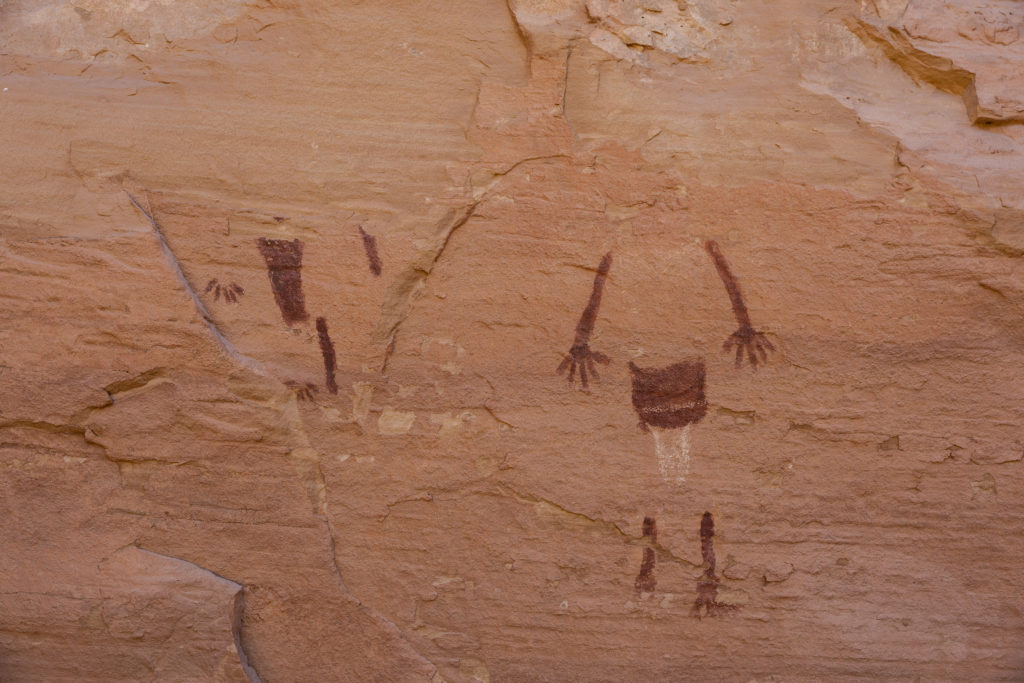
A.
x: 539, y: 340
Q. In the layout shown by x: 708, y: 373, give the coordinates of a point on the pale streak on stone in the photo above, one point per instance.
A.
x: 449, y: 424
x: 362, y: 394
x: 306, y: 461
x: 672, y: 447
x: 395, y: 422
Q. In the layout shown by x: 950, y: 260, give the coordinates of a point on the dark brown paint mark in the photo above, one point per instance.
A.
x: 669, y: 397
x: 284, y: 268
x: 370, y: 244
x: 580, y: 356
x: 707, y: 584
x: 231, y: 291
x: 303, y: 392
x: 707, y: 543
x: 746, y: 337
x: 327, y: 350
x: 645, y: 581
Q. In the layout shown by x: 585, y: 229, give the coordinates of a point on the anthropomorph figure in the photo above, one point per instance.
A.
x: 668, y: 400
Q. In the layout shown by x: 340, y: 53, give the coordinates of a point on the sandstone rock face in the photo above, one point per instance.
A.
x: 384, y: 341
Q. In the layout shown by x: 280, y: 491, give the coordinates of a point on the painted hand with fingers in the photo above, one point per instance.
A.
x: 746, y: 339
x: 231, y: 291
x: 580, y: 355
x: 303, y: 392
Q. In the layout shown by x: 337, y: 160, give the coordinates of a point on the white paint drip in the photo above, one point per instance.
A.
x: 673, y: 449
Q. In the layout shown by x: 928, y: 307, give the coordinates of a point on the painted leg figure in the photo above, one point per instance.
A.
x: 372, y: 257
x: 645, y: 581
x: 707, y: 584
x: 327, y: 351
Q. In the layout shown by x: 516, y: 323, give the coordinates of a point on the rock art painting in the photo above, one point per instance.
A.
x: 284, y: 268
x: 229, y: 290
x: 205, y: 470
x: 668, y: 401
x: 645, y: 580
x: 707, y: 604
x: 303, y: 390
x: 372, y: 257
x: 671, y: 397
x: 745, y: 338
x: 580, y: 355
x: 327, y: 351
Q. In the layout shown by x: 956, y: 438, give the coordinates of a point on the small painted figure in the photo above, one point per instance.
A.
x: 746, y: 338
x: 670, y: 397
x: 580, y: 356
x: 370, y: 245
x: 303, y: 392
x: 645, y: 581
x: 707, y: 584
x: 284, y: 268
x: 668, y: 401
x: 231, y: 291
x: 327, y: 351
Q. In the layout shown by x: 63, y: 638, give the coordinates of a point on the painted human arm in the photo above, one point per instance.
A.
x: 746, y: 338
x: 580, y: 356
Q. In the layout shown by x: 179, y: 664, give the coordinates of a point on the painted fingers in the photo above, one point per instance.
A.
x: 755, y: 344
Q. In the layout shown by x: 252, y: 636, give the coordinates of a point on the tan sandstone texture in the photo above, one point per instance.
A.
x: 286, y: 287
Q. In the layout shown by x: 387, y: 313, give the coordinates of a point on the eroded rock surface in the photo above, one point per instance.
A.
x: 287, y: 289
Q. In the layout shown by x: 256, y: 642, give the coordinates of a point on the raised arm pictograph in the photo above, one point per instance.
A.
x: 580, y: 356
x: 746, y: 337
